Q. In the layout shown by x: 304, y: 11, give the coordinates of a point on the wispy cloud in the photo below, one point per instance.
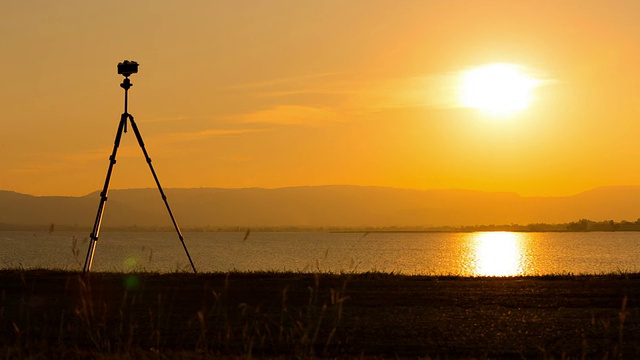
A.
x: 199, y: 135
x: 292, y: 115
x: 318, y: 99
x: 434, y: 90
x: 166, y: 119
x: 349, y: 93
x: 303, y: 79
x: 313, y: 88
x: 65, y: 161
x: 431, y: 90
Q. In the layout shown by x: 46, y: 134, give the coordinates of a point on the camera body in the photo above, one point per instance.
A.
x: 127, y: 68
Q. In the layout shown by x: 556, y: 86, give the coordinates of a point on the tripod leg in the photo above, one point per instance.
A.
x: 164, y: 197
x: 103, y: 197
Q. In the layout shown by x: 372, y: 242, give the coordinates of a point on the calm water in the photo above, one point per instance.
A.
x: 489, y: 253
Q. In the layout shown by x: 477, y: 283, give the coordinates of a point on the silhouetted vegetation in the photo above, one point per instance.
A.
x: 56, y: 314
x: 588, y: 225
x: 575, y: 226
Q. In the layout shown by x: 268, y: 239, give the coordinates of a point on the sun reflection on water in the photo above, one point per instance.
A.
x: 498, y: 254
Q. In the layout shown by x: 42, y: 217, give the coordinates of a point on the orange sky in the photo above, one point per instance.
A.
x: 285, y: 93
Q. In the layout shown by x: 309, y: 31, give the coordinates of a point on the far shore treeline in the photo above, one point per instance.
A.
x: 581, y: 225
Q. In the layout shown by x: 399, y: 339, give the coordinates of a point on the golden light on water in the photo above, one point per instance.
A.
x: 498, y: 254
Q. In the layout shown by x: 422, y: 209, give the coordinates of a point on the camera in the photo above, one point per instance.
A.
x: 127, y: 68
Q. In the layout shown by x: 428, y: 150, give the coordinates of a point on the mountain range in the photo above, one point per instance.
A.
x: 318, y: 206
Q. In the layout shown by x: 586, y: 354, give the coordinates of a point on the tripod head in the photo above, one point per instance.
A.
x: 126, y: 68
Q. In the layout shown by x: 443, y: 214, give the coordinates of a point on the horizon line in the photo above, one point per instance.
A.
x: 334, y: 185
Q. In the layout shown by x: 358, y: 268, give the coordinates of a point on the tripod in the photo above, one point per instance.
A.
x: 126, y: 84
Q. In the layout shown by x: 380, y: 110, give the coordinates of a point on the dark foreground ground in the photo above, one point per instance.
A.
x: 46, y: 314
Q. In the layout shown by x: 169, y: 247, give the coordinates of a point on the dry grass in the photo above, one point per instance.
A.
x: 56, y: 314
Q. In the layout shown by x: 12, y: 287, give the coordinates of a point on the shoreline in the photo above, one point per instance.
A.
x: 522, y: 229
x: 318, y: 315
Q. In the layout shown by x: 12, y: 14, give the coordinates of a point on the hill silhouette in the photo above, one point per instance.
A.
x: 319, y: 206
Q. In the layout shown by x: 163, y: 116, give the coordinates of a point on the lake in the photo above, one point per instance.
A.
x: 467, y: 254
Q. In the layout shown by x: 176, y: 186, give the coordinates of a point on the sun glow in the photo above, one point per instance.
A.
x: 498, y: 254
x: 497, y: 89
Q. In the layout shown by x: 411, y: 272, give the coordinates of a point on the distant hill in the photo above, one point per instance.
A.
x: 317, y: 206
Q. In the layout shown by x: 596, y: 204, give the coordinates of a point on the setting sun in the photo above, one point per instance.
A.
x: 497, y: 89
x: 411, y: 94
